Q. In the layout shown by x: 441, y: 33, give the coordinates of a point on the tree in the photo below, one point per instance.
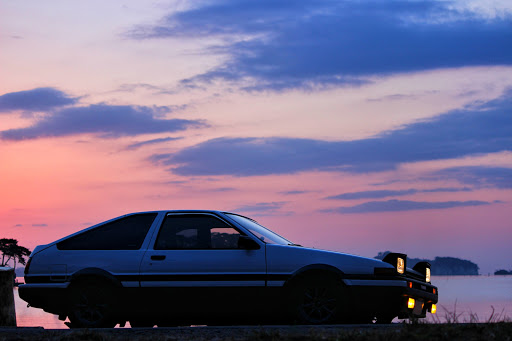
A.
x: 12, y: 251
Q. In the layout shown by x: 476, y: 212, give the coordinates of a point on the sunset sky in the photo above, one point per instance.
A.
x: 356, y: 126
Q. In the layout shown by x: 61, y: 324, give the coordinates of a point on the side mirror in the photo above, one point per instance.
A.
x: 245, y: 242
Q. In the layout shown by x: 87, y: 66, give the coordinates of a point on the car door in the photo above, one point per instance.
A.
x: 195, y: 258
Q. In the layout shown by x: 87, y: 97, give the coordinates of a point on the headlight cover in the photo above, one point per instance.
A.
x: 400, y: 265
x: 424, y: 269
x: 397, y: 260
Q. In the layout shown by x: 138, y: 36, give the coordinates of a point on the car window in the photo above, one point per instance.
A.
x: 195, y: 232
x: 126, y: 233
x: 260, y: 231
x: 224, y: 238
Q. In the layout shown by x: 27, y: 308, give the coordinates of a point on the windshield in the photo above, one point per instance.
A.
x: 259, y: 231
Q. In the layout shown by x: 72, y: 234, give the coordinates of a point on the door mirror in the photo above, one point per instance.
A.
x: 245, y: 242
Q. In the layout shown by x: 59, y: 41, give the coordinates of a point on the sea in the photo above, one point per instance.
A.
x: 462, y: 299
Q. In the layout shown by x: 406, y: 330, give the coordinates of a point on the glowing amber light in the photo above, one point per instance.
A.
x: 410, y: 303
x: 410, y: 285
x: 400, y: 266
x: 433, y: 310
x: 427, y: 275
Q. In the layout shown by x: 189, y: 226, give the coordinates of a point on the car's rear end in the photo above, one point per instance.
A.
x: 44, y: 285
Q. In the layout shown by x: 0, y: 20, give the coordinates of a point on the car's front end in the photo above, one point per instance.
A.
x: 406, y: 292
x: 372, y: 289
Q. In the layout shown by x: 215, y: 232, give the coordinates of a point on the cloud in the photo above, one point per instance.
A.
x: 18, y: 225
x: 262, y: 208
x: 106, y: 121
x: 223, y: 189
x: 288, y: 44
x: 446, y: 189
x: 403, y: 205
x: 137, y: 145
x: 377, y: 194
x: 479, y: 176
x: 372, y: 194
x: 40, y: 99
x: 176, y: 182
x: 39, y: 225
x: 479, y: 130
x: 131, y: 87
x: 296, y: 192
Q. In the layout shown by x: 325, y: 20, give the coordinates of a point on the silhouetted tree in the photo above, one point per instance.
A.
x: 12, y: 251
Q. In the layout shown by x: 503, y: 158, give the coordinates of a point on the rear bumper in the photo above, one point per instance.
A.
x: 49, y: 297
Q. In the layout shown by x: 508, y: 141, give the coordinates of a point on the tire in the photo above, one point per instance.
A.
x: 142, y: 323
x: 91, y: 305
x: 317, y: 301
x: 379, y: 319
x: 384, y: 319
x: 170, y: 324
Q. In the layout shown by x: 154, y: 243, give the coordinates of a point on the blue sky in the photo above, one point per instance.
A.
x: 485, y: 128
x: 287, y: 44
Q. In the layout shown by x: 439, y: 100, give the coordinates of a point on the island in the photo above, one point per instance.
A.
x: 443, y: 266
x: 502, y: 272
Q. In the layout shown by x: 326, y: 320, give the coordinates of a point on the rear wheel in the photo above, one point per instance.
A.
x: 142, y: 323
x: 91, y: 305
x: 317, y: 301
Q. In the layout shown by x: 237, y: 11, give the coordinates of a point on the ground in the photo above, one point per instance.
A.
x: 395, y: 332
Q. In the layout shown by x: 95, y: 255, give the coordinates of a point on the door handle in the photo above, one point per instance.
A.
x: 157, y: 257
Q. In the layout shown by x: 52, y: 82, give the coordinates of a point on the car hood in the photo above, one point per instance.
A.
x: 283, y: 258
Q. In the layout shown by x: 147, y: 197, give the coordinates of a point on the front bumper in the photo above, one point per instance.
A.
x: 390, y: 297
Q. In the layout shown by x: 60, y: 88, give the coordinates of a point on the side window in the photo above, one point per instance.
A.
x: 224, y: 238
x: 123, y: 234
x: 196, y: 232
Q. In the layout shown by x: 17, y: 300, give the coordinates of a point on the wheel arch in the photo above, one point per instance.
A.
x: 95, y: 274
x: 86, y: 284
x: 315, y: 270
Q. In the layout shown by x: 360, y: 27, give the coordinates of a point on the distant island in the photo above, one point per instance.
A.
x: 20, y: 271
x: 443, y: 266
x: 503, y: 272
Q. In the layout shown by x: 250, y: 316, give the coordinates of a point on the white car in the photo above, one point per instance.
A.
x: 170, y: 268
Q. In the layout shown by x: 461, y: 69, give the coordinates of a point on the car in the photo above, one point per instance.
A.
x: 172, y: 268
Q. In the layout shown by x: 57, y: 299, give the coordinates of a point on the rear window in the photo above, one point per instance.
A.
x: 126, y: 233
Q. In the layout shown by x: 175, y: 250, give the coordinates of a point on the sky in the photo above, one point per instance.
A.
x: 357, y: 126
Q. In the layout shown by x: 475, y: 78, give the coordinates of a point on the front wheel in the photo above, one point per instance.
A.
x: 384, y: 319
x: 317, y: 301
x: 91, y: 306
